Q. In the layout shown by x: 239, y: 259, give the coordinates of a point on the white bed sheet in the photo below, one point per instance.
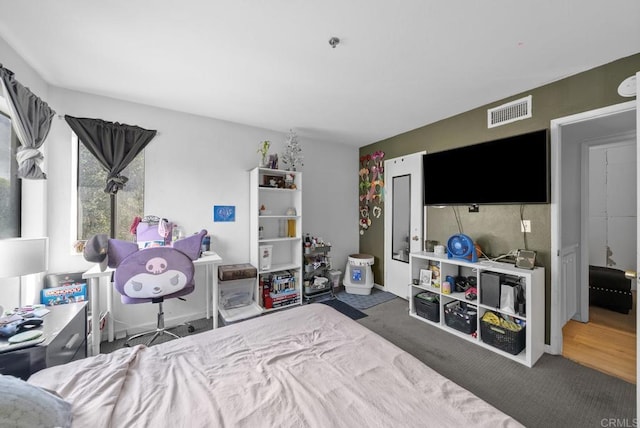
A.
x: 308, y: 366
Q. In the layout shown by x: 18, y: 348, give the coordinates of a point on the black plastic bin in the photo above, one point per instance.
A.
x: 461, y: 316
x: 427, y: 306
x: 510, y: 341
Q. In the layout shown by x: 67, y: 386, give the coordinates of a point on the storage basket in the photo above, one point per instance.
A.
x: 236, y: 293
x: 502, y: 338
x: 461, y: 316
x: 427, y: 306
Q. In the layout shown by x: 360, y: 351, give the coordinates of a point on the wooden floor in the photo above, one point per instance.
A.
x: 606, y: 343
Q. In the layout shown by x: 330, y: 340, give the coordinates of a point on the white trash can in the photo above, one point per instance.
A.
x: 334, y: 277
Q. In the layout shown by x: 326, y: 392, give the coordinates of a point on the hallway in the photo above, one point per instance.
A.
x: 606, y: 343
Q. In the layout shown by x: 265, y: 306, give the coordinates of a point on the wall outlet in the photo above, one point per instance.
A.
x: 525, y: 226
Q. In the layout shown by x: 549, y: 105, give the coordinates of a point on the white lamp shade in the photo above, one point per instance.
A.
x: 23, y: 256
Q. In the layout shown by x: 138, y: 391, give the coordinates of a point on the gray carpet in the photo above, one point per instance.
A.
x: 199, y: 325
x: 556, y: 392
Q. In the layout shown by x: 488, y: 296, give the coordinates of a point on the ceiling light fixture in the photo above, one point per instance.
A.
x: 628, y: 87
x: 334, y: 41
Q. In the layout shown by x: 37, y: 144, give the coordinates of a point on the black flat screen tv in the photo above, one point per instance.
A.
x: 512, y: 170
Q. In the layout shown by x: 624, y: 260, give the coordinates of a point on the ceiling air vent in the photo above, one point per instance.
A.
x: 509, y: 112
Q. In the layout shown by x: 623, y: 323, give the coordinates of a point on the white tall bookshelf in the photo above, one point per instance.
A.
x: 282, y: 205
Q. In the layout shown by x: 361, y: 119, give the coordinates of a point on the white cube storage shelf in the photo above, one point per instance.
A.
x: 533, y: 281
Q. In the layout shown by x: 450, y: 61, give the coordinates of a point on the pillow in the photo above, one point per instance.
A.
x: 26, y: 405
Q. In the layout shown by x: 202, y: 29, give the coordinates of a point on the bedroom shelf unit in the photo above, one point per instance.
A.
x: 532, y: 314
x: 317, y: 264
x: 276, y: 226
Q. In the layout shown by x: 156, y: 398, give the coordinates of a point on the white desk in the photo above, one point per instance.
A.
x: 210, y: 263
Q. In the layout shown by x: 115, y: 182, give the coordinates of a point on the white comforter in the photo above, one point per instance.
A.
x: 309, y: 366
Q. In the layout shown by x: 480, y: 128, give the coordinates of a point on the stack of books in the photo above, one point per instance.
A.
x: 279, y: 289
x: 284, y: 298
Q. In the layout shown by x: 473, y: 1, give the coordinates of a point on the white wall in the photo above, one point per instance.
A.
x: 192, y: 164
x: 330, y: 198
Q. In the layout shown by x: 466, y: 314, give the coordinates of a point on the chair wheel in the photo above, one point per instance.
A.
x: 191, y: 329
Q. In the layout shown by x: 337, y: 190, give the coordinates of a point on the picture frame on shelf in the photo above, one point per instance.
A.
x: 275, y: 181
x: 425, y: 276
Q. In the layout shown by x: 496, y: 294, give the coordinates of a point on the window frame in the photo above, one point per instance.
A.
x: 15, y: 182
x: 78, y: 242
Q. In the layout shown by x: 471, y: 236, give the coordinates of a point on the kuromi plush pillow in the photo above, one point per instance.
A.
x: 154, y: 272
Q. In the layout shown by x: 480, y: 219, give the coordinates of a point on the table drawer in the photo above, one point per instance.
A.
x: 70, y: 343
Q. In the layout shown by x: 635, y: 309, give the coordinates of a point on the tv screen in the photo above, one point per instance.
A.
x: 512, y: 170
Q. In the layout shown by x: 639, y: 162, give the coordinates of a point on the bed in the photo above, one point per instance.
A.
x: 309, y: 366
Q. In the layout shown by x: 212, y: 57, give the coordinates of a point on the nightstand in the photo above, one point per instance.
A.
x: 65, y: 339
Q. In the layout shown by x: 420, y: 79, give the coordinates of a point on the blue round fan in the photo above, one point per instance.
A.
x: 460, y: 246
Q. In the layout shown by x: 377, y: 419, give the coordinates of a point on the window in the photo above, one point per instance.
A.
x: 10, y: 189
x: 95, y: 208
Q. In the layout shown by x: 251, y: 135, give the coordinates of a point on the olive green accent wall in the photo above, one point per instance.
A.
x: 496, y: 227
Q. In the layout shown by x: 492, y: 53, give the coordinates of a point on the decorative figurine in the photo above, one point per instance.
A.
x: 264, y: 151
x: 293, y: 152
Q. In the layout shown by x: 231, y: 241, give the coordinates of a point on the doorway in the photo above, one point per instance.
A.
x: 571, y: 139
x: 569, y: 223
x: 602, y: 335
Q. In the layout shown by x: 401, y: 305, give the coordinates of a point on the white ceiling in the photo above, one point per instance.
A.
x: 400, y: 64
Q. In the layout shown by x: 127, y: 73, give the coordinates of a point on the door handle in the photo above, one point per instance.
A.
x: 415, y: 237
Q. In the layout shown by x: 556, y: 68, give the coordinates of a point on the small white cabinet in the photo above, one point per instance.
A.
x: 276, y: 230
x: 487, y: 276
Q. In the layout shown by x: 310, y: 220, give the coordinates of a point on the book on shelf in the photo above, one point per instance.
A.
x: 265, y: 285
x: 285, y: 302
x: 277, y: 297
x: 284, y: 292
x: 282, y: 281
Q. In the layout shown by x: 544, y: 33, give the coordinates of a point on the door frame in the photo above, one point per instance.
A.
x: 557, y: 289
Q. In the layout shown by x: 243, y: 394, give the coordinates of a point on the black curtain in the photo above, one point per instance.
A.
x: 115, y: 145
x: 31, y: 119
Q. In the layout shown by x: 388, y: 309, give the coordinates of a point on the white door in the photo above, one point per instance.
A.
x: 403, y: 220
